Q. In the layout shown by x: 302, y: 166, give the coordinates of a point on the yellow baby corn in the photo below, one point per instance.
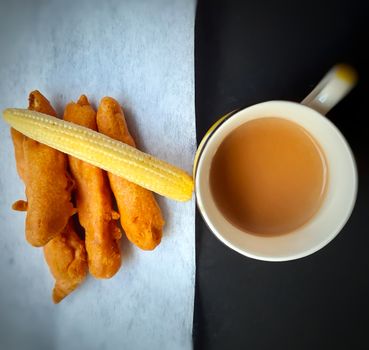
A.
x: 103, y: 152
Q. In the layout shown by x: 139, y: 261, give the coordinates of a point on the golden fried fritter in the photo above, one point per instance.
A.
x: 48, y: 189
x: 67, y: 259
x: 94, y: 202
x: 140, y: 214
x: 48, y: 185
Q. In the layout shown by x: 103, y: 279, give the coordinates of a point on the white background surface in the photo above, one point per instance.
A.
x: 140, y: 52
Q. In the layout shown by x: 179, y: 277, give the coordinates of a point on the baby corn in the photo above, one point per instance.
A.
x: 103, y: 152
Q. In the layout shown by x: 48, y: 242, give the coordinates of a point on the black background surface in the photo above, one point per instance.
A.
x: 252, y: 51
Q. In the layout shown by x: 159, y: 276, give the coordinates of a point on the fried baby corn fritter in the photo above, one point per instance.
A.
x: 65, y: 253
x: 48, y: 185
x: 67, y: 259
x: 140, y: 214
x: 94, y: 202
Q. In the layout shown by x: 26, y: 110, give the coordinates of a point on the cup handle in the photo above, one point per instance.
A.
x: 334, y: 86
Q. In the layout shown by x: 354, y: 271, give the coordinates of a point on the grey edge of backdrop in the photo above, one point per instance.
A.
x: 140, y: 52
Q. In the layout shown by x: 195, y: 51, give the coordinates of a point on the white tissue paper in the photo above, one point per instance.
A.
x: 142, y: 54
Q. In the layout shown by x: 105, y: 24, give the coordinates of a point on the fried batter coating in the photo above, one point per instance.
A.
x: 140, y: 214
x: 48, y: 185
x: 94, y: 202
x: 20, y: 205
x: 43, y: 170
x: 67, y: 259
x: 18, y: 139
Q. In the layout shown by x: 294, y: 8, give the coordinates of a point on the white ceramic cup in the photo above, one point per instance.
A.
x: 342, y: 180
